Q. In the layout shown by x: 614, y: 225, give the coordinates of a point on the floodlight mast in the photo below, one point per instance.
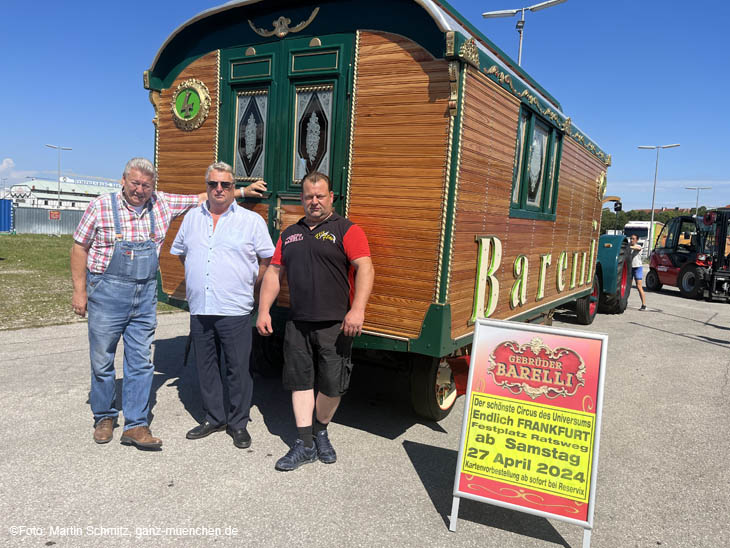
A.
x: 521, y: 23
x: 697, y: 201
x: 653, y: 193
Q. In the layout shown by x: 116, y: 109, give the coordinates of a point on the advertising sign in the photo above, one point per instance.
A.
x: 54, y: 215
x: 532, y: 420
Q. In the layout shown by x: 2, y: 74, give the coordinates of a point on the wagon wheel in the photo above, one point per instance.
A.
x: 433, y: 391
x: 586, y: 307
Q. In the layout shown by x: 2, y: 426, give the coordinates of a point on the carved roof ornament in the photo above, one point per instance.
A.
x: 601, y: 183
x: 469, y: 52
x: 281, y: 26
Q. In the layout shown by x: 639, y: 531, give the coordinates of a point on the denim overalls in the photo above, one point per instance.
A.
x: 123, y: 302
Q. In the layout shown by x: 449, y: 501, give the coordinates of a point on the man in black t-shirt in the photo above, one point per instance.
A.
x: 326, y: 260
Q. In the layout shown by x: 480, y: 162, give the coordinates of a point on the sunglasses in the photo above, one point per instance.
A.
x: 226, y: 185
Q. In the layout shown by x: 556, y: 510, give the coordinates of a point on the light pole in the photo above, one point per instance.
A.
x: 521, y: 23
x: 653, y: 193
x: 698, y: 188
x: 59, y: 148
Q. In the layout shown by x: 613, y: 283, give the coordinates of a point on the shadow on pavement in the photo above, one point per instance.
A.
x: 377, y: 402
x: 698, y: 338
x: 169, y: 354
x: 436, y: 467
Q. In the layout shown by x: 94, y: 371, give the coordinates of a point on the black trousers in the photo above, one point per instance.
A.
x: 234, y: 335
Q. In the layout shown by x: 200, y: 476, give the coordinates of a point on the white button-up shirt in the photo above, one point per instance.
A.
x: 221, y: 265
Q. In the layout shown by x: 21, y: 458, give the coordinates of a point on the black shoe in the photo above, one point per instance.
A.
x: 325, y: 451
x: 241, y: 437
x: 643, y: 307
x: 297, y: 456
x: 203, y: 429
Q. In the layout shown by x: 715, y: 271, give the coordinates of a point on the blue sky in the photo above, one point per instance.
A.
x: 628, y: 73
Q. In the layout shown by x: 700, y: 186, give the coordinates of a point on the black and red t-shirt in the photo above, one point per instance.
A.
x: 318, y: 267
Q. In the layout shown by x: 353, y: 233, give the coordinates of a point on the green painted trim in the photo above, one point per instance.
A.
x: 313, y: 62
x: 502, y: 56
x: 281, y: 87
x: 527, y: 214
x: 495, y: 72
x: 435, y: 338
x: 373, y: 342
x: 549, y: 306
x: 251, y: 69
x: 550, y: 179
x: 229, y: 28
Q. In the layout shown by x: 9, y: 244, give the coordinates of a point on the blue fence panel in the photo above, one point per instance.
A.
x: 6, y: 215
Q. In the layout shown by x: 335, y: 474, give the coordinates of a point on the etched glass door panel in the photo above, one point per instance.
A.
x: 251, y: 110
x: 536, y: 165
x: 312, y: 130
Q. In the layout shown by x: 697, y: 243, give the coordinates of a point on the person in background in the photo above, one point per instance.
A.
x: 225, y: 249
x: 637, y: 267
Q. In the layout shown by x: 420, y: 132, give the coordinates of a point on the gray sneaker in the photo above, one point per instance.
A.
x: 325, y: 451
x: 297, y: 455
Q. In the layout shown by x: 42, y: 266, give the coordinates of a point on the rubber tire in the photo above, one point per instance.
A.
x: 687, y: 290
x: 615, y: 303
x: 424, y: 371
x: 652, y: 280
x: 583, y: 309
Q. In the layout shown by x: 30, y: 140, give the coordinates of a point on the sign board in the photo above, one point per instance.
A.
x: 54, y: 215
x: 532, y: 420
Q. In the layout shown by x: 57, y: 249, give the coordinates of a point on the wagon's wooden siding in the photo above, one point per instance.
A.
x: 397, y: 178
x: 489, y: 138
x: 183, y: 157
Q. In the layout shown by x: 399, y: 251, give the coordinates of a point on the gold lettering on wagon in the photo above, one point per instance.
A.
x: 489, y: 262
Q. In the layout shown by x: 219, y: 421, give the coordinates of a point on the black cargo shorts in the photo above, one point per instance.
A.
x: 317, y: 348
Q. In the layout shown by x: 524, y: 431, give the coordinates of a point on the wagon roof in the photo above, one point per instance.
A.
x: 443, y: 14
x: 445, y: 18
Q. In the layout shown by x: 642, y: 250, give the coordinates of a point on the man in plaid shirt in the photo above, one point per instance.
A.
x: 114, y: 262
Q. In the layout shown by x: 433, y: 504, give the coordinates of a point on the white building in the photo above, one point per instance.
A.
x: 74, y: 192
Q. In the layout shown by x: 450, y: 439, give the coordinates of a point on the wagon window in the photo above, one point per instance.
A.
x: 521, y: 132
x: 313, y: 133
x: 250, y: 154
x: 536, y: 173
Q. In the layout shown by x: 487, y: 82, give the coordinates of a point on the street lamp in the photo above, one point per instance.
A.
x: 698, y: 188
x: 521, y: 23
x: 653, y: 194
x: 59, y: 148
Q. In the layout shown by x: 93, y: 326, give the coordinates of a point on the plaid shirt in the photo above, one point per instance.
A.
x: 96, y: 227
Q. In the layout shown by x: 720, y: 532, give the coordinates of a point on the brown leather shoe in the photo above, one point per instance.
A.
x: 103, y: 430
x: 141, y: 437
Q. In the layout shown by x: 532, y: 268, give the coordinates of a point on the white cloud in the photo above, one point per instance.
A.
x: 7, y: 164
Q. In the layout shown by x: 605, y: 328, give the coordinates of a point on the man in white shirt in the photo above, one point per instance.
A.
x: 225, y: 249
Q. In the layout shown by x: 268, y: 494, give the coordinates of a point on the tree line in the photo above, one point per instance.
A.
x: 611, y: 220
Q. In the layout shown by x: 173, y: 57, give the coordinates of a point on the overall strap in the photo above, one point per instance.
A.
x: 115, y: 214
x: 152, y: 220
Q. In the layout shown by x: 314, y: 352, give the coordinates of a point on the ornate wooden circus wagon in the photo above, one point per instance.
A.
x: 479, y: 196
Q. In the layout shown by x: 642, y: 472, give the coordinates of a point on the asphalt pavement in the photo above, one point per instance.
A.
x: 663, y: 477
